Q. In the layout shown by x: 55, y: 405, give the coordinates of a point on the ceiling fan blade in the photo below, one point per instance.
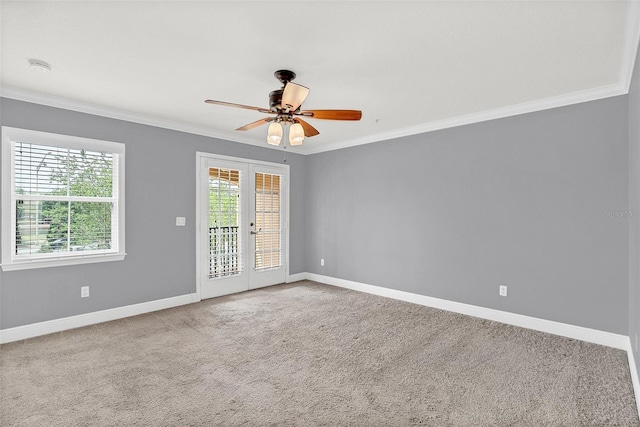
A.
x: 231, y: 104
x: 333, y: 114
x: 256, y: 123
x: 293, y: 96
x: 308, y: 129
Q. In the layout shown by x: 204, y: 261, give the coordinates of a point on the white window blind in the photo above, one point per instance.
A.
x: 269, y: 253
x: 65, y: 197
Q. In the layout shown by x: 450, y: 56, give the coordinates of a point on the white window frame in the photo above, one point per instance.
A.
x: 10, y: 261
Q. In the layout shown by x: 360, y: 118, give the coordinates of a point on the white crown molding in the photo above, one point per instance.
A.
x: 19, y: 333
x: 632, y: 38
x: 631, y: 41
x: 483, y: 116
x: 513, y: 110
x: 118, y: 114
x: 556, y: 328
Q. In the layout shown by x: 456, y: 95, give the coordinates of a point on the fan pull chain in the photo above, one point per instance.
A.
x: 284, y: 148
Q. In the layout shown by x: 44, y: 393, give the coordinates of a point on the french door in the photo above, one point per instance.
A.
x: 242, y: 225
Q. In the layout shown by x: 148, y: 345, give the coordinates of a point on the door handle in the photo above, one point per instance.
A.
x: 256, y: 232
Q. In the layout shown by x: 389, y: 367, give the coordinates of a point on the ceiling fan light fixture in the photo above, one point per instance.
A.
x: 285, y: 103
x: 293, y: 96
x: 274, y: 134
x: 296, y: 134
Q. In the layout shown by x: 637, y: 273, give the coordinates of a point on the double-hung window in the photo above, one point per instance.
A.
x: 62, y: 200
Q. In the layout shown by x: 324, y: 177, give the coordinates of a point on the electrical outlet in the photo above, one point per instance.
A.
x: 181, y: 221
x: 322, y: 262
x: 84, y: 292
x: 503, y: 291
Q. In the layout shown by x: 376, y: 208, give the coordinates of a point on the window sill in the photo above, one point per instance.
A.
x: 58, y: 262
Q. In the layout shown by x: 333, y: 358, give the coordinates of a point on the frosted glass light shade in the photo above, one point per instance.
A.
x: 296, y: 134
x: 274, y: 134
x: 293, y: 96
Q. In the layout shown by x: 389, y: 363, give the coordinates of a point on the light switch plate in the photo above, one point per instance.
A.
x: 181, y: 221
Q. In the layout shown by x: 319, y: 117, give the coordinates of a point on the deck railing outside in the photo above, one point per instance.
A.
x: 224, y: 252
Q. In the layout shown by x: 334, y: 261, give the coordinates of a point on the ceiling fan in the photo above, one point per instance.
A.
x: 284, y: 104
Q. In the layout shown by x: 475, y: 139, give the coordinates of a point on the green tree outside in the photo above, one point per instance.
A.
x: 79, y: 225
x: 223, y: 203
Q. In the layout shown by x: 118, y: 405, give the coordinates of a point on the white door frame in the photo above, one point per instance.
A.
x: 199, y: 244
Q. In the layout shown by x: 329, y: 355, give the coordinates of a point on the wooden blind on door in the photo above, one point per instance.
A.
x: 268, y: 252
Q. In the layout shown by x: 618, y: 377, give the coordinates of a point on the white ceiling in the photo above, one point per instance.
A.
x: 410, y: 66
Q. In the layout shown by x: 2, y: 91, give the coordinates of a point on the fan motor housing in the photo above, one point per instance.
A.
x: 275, y: 100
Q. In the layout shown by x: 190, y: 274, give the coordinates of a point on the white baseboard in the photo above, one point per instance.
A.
x: 296, y: 277
x: 570, y: 331
x: 634, y: 373
x: 43, y: 328
x: 621, y: 342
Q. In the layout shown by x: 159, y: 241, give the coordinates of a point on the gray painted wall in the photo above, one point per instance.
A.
x: 634, y: 207
x: 532, y: 201
x: 520, y: 201
x: 160, y: 185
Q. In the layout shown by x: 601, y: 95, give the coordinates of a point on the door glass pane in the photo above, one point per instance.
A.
x: 268, y: 240
x: 224, y: 213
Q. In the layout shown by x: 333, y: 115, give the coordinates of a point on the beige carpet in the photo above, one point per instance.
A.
x: 307, y: 354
